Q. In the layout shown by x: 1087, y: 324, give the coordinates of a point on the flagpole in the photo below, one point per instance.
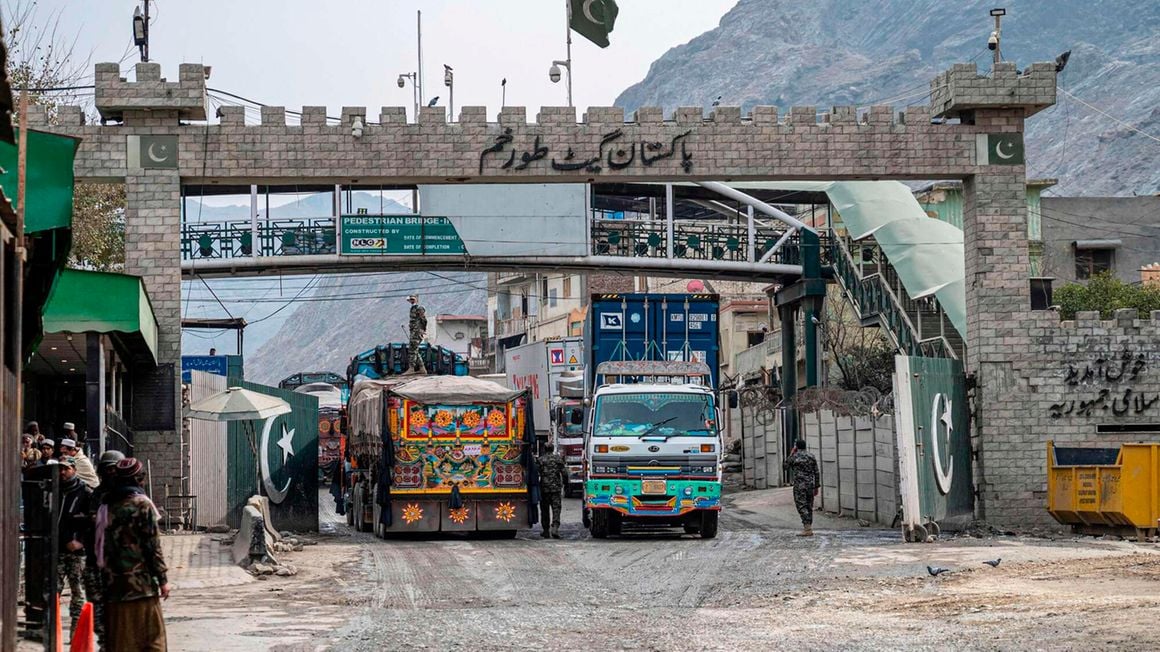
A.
x: 568, y: 32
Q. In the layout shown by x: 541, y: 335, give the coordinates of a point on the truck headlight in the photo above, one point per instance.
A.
x: 619, y: 490
x: 688, y: 491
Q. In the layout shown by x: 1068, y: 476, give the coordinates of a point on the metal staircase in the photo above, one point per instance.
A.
x: 917, y: 327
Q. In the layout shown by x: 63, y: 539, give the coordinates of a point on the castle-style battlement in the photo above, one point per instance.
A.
x: 150, y: 91
x: 962, y: 89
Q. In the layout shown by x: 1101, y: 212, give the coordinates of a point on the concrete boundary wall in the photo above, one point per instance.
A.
x: 857, y: 457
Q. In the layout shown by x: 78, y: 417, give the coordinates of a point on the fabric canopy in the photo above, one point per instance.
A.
x: 101, y: 302
x: 237, y: 404
x: 49, y: 189
x: 926, y: 253
x: 454, y: 390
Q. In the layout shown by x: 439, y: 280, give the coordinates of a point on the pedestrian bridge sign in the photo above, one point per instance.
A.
x: 378, y: 235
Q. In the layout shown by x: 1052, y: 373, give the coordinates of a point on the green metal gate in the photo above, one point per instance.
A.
x: 934, y: 443
x: 288, y: 449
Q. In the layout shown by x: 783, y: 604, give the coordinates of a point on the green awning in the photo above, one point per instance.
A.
x: 103, y: 302
x: 49, y: 190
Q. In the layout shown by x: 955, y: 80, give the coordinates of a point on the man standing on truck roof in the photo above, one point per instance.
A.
x: 417, y: 329
x: 805, y: 484
x: 553, y: 479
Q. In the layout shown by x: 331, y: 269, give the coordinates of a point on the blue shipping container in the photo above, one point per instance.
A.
x: 654, y: 327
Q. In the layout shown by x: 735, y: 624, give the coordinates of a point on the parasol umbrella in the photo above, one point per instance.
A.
x: 238, y: 404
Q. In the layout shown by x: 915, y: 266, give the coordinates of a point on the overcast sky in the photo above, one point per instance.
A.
x: 350, y: 52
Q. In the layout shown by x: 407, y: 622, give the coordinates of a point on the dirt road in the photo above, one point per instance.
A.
x: 755, y: 586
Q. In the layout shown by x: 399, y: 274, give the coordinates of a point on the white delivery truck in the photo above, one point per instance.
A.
x: 539, y: 367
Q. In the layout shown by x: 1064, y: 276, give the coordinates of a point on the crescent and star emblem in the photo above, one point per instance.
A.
x: 286, y: 443
x: 587, y: 9
x: 153, y: 155
x: 942, y: 478
x: 999, y: 150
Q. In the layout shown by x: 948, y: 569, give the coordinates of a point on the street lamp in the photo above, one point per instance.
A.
x: 141, y: 31
x: 449, y: 82
x: 402, y: 82
x: 554, y: 75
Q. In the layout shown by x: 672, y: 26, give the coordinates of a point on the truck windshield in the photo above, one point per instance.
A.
x: 654, y: 414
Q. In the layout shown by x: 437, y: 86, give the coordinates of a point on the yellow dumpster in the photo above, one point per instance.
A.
x: 1096, y: 489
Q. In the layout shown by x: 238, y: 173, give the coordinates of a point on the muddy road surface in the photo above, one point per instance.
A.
x: 756, y: 586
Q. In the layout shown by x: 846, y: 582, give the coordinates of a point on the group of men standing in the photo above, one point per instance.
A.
x: 109, y: 548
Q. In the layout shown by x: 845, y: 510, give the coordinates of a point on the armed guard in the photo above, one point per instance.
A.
x: 417, y: 329
x: 804, y: 469
x: 553, y: 479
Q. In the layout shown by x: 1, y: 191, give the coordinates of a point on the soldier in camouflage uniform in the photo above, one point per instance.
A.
x: 553, y: 479
x: 74, y: 526
x: 129, y: 554
x: 417, y: 329
x: 804, y: 469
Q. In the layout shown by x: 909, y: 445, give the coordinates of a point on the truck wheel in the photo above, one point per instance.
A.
x: 693, y: 527
x: 614, y: 523
x: 709, y: 525
x: 586, y: 517
x: 599, y: 527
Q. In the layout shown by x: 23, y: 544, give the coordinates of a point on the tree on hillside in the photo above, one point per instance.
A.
x: 41, y: 57
x: 862, y: 356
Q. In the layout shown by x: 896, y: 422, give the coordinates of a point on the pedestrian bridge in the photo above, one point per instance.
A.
x: 697, y: 229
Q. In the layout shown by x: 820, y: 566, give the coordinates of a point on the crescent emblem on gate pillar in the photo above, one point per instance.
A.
x: 943, y: 479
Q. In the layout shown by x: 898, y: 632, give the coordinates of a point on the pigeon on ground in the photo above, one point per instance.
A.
x: 993, y: 563
x: 935, y: 571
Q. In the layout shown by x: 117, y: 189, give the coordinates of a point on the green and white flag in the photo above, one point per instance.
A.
x: 593, y: 19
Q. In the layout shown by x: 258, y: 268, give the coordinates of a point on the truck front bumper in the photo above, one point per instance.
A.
x: 668, y: 499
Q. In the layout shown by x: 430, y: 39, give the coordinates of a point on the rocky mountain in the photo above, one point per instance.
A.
x: 838, y: 52
x: 349, y: 314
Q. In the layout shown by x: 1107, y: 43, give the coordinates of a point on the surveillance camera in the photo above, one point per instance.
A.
x: 401, y: 82
x: 993, y: 41
x: 554, y: 73
x: 356, y: 128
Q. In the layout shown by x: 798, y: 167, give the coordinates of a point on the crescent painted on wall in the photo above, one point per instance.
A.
x: 276, y: 495
x: 999, y: 150
x: 153, y: 157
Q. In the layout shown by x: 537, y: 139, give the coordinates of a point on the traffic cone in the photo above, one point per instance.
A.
x: 59, y: 638
x: 82, y: 636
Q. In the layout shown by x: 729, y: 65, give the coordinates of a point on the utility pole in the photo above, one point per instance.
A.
x: 419, y: 28
x: 568, y: 57
x: 145, y: 48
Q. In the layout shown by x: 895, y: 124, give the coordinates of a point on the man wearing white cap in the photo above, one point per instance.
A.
x: 85, y: 470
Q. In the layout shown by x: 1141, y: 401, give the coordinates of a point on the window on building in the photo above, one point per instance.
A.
x: 552, y: 298
x: 544, y: 290
x: 523, y: 305
x: 1089, y: 262
x: 753, y: 338
x: 567, y: 293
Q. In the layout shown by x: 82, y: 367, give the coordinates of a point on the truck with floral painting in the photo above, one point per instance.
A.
x: 440, y: 454
x: 652, y: 448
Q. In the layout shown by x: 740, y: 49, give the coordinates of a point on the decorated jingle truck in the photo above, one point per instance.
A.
x: 652, y: 448
x: 440, y: 454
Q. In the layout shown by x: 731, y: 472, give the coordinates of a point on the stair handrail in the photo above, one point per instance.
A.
x: 936, y: 346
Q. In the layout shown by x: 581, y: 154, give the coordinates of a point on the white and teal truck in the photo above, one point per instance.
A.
x: 652, y: 448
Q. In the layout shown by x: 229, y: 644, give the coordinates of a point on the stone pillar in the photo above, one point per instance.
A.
x: 1000, y: 322
x: 153, y: 252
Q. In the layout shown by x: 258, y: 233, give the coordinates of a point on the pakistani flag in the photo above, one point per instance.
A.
x: 593, y: 19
